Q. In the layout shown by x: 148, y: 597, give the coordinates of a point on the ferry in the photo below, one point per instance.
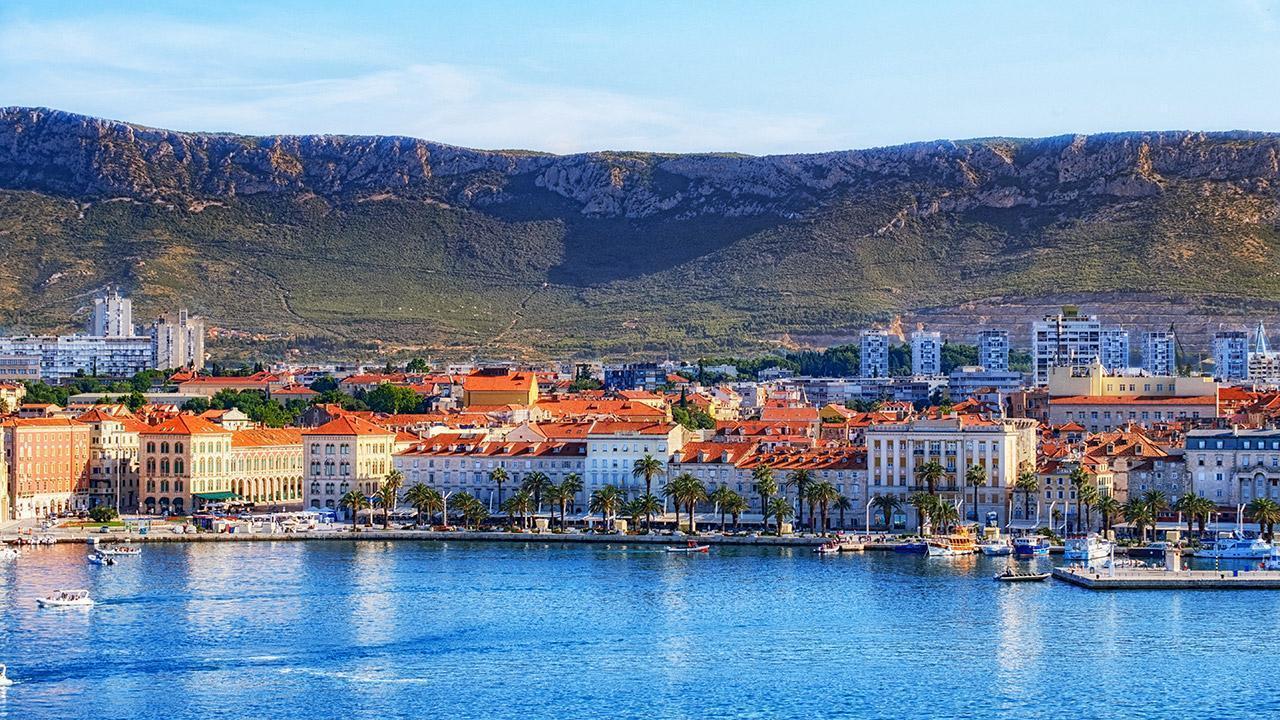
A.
x: 65, y: 599
x: 1089, y: 547
x: 1233, y: 548
x: 1030, y: 545
x: 959, y: 543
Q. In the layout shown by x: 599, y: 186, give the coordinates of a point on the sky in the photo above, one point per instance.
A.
x: 695, y: 76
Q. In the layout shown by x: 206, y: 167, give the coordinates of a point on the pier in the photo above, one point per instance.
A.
x: 1161, y: 579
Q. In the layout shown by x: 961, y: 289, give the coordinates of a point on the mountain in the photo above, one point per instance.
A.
x: 341, y: 240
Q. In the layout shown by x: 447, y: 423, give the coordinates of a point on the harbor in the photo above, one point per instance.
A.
x: 1147, y: 578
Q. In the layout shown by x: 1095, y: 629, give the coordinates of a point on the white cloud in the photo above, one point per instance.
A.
x: 189, y: 77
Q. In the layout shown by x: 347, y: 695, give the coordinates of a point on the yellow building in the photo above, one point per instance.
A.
x: 185, y: 463
x: 266, y: 466
x: 344, y: 454
x: 499, y: 386
x: 1095, y: 381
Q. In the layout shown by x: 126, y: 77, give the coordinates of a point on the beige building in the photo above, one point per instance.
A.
x: 113, y: 459
x: 178, y: 339
x: 266, y: 466
x: 346, y: 453
x: 185, y: 463
x: 1095, y: 381
x: 48, y: 466
x: 896, y: 451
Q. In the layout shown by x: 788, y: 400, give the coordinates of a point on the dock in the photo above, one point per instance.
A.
x: 1123, y: 578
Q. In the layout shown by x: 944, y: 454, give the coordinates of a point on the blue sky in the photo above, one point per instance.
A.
x: 701, y: 75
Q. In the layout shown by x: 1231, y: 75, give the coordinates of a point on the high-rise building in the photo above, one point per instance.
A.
x: 1113, y: 348
x: 926, y: 353
x: 993, y: 349
x: 1230, y: 355
x: 112, y: 315
x: 874, y: 358
x: 1067, y: 339
x: 1264, y: 363
x: 63, y: 357
x: 178, y: 339
x: 1160, y: 352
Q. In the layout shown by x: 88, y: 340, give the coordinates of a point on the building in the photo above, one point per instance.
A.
x: 1232, y: 467
x: 993, y: 350
x: 48, y: 464
x: 492, y: 387
x: 185, y: 463
x: 344, y: 454
x: 634, y: 376
x: 1095, y: 380
x: 66, y: 357
x: 208, y: 386
x: 1113, y: 348
x: 1160, y: 352
x: 926, y: 353
x: 1067, y: 339
x: 17, y: 368
x: 179, y: 341
x: 1230, y: 355
x: 970, y: 380
x: 266, y: 466
x: 874, y: 357
x: 1101, y: 413
x: 896, y: 452
x: 6, y: 503
x: 113, y: 459
x: 465, y: 462
x: 112, y: 315
x: 613, y: 448
x: 11, y: 395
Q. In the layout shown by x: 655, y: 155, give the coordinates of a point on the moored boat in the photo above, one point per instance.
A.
x: 121, y: 550
x: 1150, y: 550
x: 830, y: 547
x: 998, y: 548
x: 1234, y: 548
x: 918, y: 547
x: 66, y: 599
x: 957, y: 543
x: 1016, y: 576
x: 1030, y: 545
x: 1088, y: 547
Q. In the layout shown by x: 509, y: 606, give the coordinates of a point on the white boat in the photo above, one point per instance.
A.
x: 960, y: 543
x: 690, y: 548
x: 66, y: 599
x: 1029, y: 545
x: 828, y: 548
x: 1233, y: 548
x: 100, y: 558
x: 4, y: 677
x: 996, y: 549
x: 1090, y: 547
x: 8, y: 553
x: 1273, y: 560
x: 121, y: 550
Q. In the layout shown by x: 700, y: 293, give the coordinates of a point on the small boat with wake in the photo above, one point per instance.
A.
x: 121, y: 549
x: 4, y: 676
x: 692, y: 547
x: 100, y: 558
x: 66, y: 599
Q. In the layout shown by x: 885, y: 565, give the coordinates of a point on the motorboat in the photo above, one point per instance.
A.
x: 4, y: 676
x: 101, y: 558
x: 8, y: 553
x: 121, y: 550
x: 66, y: 599
x: 1030, y: 545
x: 830, y: 547
x: 959, y: 543
x: 690, y: 548
x: 851, y: 546
x: 1233, y: 548
x: 1273, y: 560
x: 1011, y: 575
x: 1087, y: 547
x: 916, y: 547
x: 997, y: 548
x: 1150, y: 550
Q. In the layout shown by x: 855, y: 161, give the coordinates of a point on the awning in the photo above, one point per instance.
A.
x: 223, y: 495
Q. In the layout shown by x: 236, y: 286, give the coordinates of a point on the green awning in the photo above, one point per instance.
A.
x: 223, y: 495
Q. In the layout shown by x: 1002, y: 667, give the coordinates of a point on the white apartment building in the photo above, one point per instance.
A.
x: 874, y: 355
x: 63, y: 357
x: 112, y: 315
x: 1160, y: 352
x: 1113, y: 348
x: 926, y: 353
x: 464, y: 462
x: 1234, y: 466
x: 993, y: 350
x: 1067, y: 339
x: 895, y: 452
x: 614, y: 447
x: 179, y: 341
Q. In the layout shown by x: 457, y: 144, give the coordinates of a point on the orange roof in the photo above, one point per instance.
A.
x: 793, y: 414
x: 41, y: 422
x: 266, y: 437
x: 615, y: 427
x: 348, y: 425
x: 486, y: 381
x: 302, y: 390
x: 186, y: 425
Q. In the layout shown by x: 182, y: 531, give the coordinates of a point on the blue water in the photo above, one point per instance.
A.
x: 457, y: 630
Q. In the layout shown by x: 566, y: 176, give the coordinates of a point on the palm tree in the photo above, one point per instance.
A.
x: 557, y: 498
x: 926, y: 506
x: 800, y: 479
x: 633, y: 509
x: 823, y: 494
x: 887, y: 505
x: 389, y: 495
x: 497, y: 476
x: 1186, y: 505
x: 355, y: 502
x: 1139, y: 514
x: 781, y: 510
x: 1157, y: 501
x: 571, y: 484
x: 946, y: 515
x: 1089, y: 494
x: 1265, y: 512
x: 1028, y: 483
x: 736, y: 506
x: 1079, y: 476
x: 474, y: 511
x: 519, y: 505
x: 423, y: 499
x: 722, y: 497
x: 536, y: 483
x: 975, y: 477
x: 647, y: 467
x: 606, y: 501
x: 649, y: 505
x: 766, y: 487
x: 1108, y: 507
x: 929, y: 474
x: 685, y: 490
x: 843, y: 504
x: 1203, y: 510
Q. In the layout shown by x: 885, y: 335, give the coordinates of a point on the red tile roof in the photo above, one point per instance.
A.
x: 348, y: 425
x: 186, y: 425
